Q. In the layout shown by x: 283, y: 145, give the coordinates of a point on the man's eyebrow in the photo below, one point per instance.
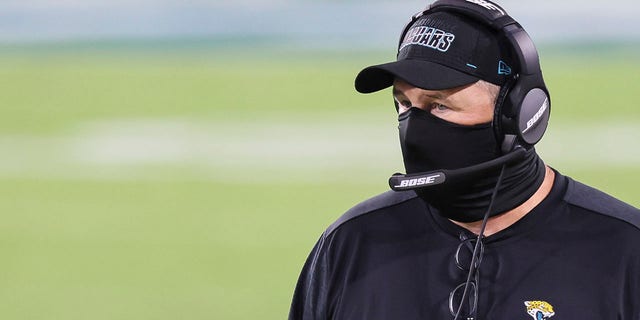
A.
x: 435, y: 95
x: 432, y: 94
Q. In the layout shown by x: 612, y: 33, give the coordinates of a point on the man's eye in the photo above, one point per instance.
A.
x: 439, y: 107
x: 403, y: 105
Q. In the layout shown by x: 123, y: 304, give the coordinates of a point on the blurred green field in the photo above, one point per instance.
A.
x: 141, y: 185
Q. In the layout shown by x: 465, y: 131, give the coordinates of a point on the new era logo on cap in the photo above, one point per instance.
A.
x: 503, y: 68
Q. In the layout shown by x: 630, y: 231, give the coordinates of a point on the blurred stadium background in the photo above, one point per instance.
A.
x: 178, y: 159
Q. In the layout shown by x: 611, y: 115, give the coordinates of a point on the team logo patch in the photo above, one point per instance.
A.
x: 428, y: 37
x: 539, y: 310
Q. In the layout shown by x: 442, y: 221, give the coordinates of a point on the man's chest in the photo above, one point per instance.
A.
x: 552, y: 286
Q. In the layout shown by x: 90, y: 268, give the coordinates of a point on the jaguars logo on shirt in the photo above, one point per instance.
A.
x: 539, y: 310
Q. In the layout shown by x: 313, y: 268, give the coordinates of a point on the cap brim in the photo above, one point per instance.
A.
x: 422, y: 74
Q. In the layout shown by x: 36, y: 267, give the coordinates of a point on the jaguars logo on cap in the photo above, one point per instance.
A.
x: 428, y: 37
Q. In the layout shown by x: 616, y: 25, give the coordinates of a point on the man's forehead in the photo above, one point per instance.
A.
x: 399, y: 85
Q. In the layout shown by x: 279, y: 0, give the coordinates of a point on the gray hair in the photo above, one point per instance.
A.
x: 492, y: 89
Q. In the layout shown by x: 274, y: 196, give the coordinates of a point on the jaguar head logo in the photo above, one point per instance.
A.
x: 539, y: 310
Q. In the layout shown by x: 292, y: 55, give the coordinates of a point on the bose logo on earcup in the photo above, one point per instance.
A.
x: 537, y: 116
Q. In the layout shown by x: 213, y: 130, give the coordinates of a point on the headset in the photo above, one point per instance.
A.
x: 523, y: 106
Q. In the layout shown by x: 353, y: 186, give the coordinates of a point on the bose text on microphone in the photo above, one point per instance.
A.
x: 402, y: 182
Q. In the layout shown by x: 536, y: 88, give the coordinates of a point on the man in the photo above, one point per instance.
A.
x: 479, y: 227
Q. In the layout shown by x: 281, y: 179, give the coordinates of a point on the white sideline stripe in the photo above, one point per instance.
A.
x: 141, y: 149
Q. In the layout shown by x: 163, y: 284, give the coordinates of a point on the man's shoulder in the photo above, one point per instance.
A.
x: 379, y: 202
x: 592, y: 199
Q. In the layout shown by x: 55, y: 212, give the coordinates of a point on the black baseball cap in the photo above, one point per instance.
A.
x: 442, y: 50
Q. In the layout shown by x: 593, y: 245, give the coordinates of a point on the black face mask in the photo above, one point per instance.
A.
x: 429, y: 143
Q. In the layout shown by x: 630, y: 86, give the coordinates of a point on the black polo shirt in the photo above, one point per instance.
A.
x: 575, y: 256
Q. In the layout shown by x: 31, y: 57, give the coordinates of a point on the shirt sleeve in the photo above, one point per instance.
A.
x: 310, y: 298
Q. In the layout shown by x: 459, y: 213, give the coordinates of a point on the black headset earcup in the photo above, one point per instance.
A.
x: 524, y: 112
x: 533, y: 116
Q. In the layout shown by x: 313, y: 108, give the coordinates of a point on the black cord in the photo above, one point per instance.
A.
x: 474, y: 256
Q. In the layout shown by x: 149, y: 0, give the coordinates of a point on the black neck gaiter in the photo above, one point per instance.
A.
x: 430, y: 143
